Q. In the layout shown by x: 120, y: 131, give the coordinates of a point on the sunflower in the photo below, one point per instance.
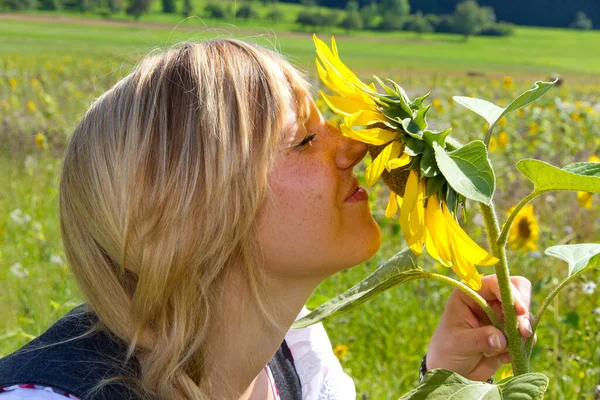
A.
x: 585, y: 198
x: 524, y: 231
x: 401, y: 146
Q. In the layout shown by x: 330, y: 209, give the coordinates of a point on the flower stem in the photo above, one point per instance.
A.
x: 503, y: 238
x: 538, y: 317
x: 472, y: 294
x: 519, y: 361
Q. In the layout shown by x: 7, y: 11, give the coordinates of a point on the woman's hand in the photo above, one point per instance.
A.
x: 466, y: 342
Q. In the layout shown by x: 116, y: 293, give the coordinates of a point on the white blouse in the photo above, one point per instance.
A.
x: 320, y: 372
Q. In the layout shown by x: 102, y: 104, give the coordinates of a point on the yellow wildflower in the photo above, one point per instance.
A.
x: 12, y: 82
x: 503, y: 139
x: 585, y: 198
x: 508, y: 82
x: 493, y: 145
x: 502, y: 122
x: 438, y: 106
x: 520, y: 112
x: 340, y: 351
x: 31, y: 106
x: 576, y: 117
x: 524, y: 231
x: 533, y: 128
x: 40, y: 140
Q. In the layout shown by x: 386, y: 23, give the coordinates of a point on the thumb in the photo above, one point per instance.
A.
x: 487, y: 340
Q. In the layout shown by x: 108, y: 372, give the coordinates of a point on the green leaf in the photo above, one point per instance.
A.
x: 546, y: 177
x: 428, y: 166
x: 584, y: 168
x: 399, y: 269
x: 492, y: 113
x: 580, y: 257
x: 435, y: 184
x: 468, y: 170
x: 441, y: 384
x: 414, y: 147
x: 439, y: 137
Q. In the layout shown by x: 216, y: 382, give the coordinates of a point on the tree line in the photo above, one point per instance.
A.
x: 467, y: 17
x: 555, y: 13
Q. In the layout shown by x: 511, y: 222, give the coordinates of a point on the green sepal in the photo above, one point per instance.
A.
x: 411, y: 127
x: 435, y: 184
x: 420, y: 117
x: 438, y: 137
x: 428, y: 165
x: 414, y: 147
x: 415, y: 163
x: 418, y: 102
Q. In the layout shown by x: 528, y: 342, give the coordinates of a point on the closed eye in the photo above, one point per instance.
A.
x: 305, y: 142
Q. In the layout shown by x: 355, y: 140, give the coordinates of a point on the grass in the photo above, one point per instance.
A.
x: 61, y: 67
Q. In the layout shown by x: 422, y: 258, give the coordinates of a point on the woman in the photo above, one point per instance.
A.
x: 202, y: 200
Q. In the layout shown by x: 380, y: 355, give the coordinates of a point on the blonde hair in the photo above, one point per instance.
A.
x: 161, y: 187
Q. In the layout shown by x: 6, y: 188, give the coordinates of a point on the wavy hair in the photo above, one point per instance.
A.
x: 161, y: 187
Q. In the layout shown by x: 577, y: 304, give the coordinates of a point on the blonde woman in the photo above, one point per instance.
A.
x: 202, y: 200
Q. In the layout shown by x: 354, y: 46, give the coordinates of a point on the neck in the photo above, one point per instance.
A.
x: 244, y: 339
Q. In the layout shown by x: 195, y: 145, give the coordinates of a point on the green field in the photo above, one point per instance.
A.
x: 51, y: 71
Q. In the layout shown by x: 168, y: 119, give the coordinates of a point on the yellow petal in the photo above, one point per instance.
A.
x: 375, y: 136
x: 398, y: 162
x: 594, y: 159
x: 392, y: 207
x: 585, y: 199
x: 466, y: 270
x: 465, y: 246
x: 345, y: 106
x: 409, y: 201
x: 437, y: 233
x: 374, y: 170
x: 366, y: 117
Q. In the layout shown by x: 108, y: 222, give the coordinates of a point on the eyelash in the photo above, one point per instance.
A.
x: 306, y: 141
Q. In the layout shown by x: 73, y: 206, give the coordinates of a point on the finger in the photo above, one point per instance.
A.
x: 523, y: 286
x: 504, y: 358
x: 525, y: 326
x: 486, y: 340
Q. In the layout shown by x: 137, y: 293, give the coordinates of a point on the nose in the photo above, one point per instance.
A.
x: 349, y: 152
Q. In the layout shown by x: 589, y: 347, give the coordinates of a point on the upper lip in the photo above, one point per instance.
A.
x: 353, y: 189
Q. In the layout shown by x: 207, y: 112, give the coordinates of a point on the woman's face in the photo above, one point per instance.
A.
x: 315, y: 221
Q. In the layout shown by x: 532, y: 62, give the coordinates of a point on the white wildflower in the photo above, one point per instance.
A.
x: 535, y: 254
x: 568, y: 229
x: 18, y: 270
x: 589, y: 287
x: 37, y: 226
x: 30, y: 164
x: 56, y: 259
x: 19, y: 216
x: 597, y: 311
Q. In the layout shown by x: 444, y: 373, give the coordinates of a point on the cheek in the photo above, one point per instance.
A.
x: 301, y: 216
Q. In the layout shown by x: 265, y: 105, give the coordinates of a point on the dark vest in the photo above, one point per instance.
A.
x: 77, y: 366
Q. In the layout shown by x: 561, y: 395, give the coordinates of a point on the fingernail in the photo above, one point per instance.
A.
x: 494, y: 341
x: 527, y: 326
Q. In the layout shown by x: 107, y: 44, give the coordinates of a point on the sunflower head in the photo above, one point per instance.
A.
x: 524, y: 231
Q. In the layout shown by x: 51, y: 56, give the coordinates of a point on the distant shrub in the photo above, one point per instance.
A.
x: 275, y: 15
x: 370, y: 15
x: 581, y: 22
x: 17, y: 5
x: 352, y: 22
x: 246, y: 12
x: 48, y: 5
x: 434, y: 20
x: 498, y: 29
x: 215, y: 11
x: 418, y: 23
x: 310, y: 18
x: 331, y: 18
x: 391, y: 22
x: 445, y: 24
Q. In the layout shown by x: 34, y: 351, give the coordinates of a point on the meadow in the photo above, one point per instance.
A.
x: 50, y: 72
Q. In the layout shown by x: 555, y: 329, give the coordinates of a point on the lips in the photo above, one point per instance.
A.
x: 353, y: 189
